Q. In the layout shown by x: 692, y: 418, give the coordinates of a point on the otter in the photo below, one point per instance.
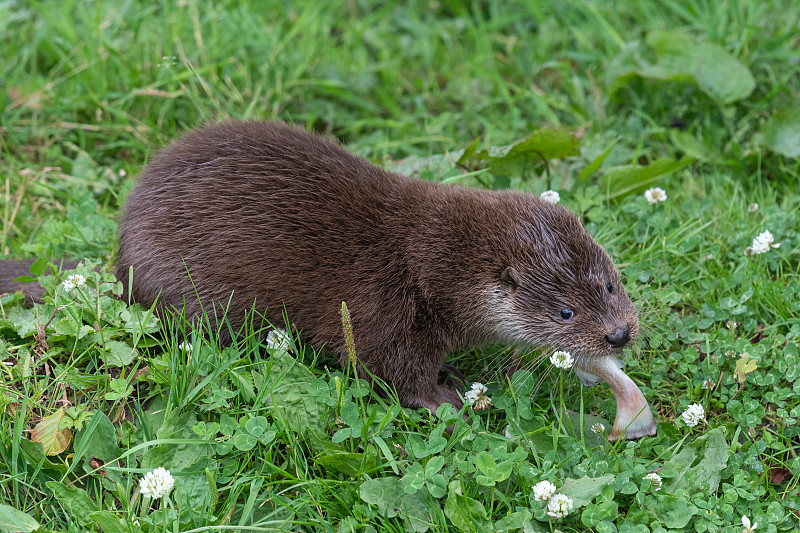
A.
x: 256, y: 215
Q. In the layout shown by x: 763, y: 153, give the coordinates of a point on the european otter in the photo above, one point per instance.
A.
x: 238, y: 213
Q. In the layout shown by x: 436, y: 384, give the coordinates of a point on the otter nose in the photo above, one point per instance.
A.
x: 619, y: 338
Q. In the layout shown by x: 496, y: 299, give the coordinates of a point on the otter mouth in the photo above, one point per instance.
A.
x: 634, y: 418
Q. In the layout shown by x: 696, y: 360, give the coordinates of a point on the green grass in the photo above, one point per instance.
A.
x: 260, y: 439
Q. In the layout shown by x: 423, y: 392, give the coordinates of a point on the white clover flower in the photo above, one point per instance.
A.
x: 763, y: 243
x: 477, y: 397
x: 562, y: 359
x: 508, y: 433
x: 185, y: 346
x: 157, y: 483
x: 551, y: 197
x: 543, y: 491
x: 693, y: 414
x: 73, y: 282
x: 748, y: 528
x: 277, y: 339
x: 708, y: 384
x: 559, y: 506
x: 655, y: 195
x: 751, y: 208
x: 655, y: 480
x: 598, y: 428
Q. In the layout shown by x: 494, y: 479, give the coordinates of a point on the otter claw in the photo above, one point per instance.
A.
x: 634, y: 418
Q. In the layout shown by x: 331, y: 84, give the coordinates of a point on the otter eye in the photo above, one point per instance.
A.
x: 609, y: 287
x: 566, y: 314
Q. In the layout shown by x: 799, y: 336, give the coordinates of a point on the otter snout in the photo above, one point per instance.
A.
x: 620, y: 337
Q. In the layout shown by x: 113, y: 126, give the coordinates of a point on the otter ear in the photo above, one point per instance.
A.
x: 510, y: 277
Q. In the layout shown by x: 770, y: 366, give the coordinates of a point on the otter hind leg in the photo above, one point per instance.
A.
x: 432, y: 397
x: 452, y: 377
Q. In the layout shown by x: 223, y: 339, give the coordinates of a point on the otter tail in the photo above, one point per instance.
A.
x: 11, y: 269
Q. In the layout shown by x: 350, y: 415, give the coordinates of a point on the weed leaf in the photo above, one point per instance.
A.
x: 14, y: 520
x: 53, y: 439
x: 75, y: 501
x: 585, y: 489
x: 388, y: 496
x: 782, y: 133
x: 466, y: 513
x: 674, y: 512
x: 689, y: 472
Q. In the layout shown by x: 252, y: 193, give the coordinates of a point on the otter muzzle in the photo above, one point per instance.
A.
x: 634, y: 418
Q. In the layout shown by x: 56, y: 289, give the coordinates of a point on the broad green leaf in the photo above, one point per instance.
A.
x: 34, y: 454
x: 674, y: 512
x: 120, y: 388
x: 350, y: 414
x: 67, y: 326
x: 436, y: 444
x: 681, y: 58
x: 244, y: 441
x: 190, y: 459
x: 256, y: 425
x: 512, y: 521
x: 98, y: 440
x: 699, y: 464
x: 486, y: 464
x: 388, y: 496
x: 433, y: 466
x: 23, y: 320
x: 693, y: 147
x: 627, y: 179
x: 717, y: 73
x: 39, y: 267
x: 464, y: 512
x: 111, y: 523
x: 595, y: 513
x: 290, y: 384
x: 349, y: 464
x: 74, y: 500
x: 775, y: 512
x: 341, y: 435
x: 541, y: 145
x: 782, y: 133
x: 118, y: 353
x: 550, y: 143
x: 437, y: 485
x: 584, y: 490
x: 12, y: 520
x: 414, y: 479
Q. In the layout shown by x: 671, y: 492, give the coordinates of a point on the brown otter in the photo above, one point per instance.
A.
x: 242, y: 213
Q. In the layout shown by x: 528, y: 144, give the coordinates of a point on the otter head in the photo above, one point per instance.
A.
x: 558, y: 288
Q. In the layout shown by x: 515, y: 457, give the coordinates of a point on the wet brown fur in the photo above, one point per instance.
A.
x: 267, y: 214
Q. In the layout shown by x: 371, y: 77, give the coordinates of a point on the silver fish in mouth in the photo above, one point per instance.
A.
x: 634, y: 418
